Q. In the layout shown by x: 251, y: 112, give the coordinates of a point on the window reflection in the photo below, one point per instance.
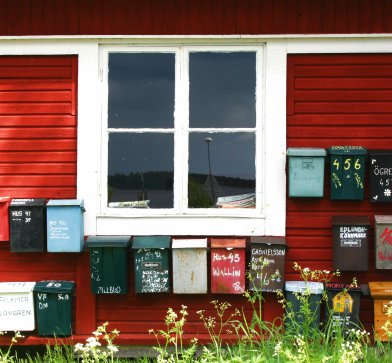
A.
x: 140, y: 170
x: 221, y: 170
x: 141, y: 90
x: 222, y: 89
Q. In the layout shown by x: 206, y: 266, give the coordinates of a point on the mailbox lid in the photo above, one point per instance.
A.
x: 65, y: 203
x: 315, y: 288
x: 381, y: 289
x: 223, y: 242
x: 55, y: 286
x: 307, y: 152
x: 37, y: 202
x: 189, y: 243
x: 141, y: 242
x: 351, y: 220
x: 108, y: 241
x: 347, y: 150
x: 383, y: 219
x: 13, y: 287
x: 268, y: 240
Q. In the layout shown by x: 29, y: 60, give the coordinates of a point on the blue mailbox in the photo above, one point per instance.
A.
x: 65, y: 226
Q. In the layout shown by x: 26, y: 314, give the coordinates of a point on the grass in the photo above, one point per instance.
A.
x: 297, y: 338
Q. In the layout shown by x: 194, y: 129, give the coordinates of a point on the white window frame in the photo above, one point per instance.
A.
x: 181, y: 133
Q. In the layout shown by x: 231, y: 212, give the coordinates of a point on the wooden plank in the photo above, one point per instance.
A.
x: 36, y: 96
x: 26, y: 133
x: 40, y: 181
x: 37, y: 145
x: 344, y: 70
x: 39, y: 60
x: 35, y: 108
x: 38, y: 168
x: 38, y: 156
x: 343, y: 107
x: 344, y: 131
x: 343, y: 83
x: 345, y: 95
x: 56, y: 72
x: 37, y: 120
x: 40, y: 192
x: 38, y: 84
x: 337, y: 119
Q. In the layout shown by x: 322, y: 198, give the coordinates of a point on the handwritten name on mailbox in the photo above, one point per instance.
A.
x: 152, y: 270
x: 267, y: 263
x: 380, y: 170
x: 228, y: 271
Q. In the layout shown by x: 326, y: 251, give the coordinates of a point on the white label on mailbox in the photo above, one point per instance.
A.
x: 17, y: 312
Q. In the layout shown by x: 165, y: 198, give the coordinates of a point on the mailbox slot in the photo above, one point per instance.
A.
x: 109, y: 264
x: 228, y: 265
x: 27, y: 225
x: 383, y: 234
x: 65, y: 225
x: 17, y: 306
x: 151, y: 264
x: 267, y: 263
x: 53, y: 307
x: 4, y: 218
x: 350, y: 243
x: 382, y: 295
x: 189, y: 266
x: 306, y: 172
x: 347, y: 166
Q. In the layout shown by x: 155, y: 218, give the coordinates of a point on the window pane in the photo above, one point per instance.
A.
x: 221, y: 165
x: 141, y: 168
x: 141, y: 90
x: 222, y: 89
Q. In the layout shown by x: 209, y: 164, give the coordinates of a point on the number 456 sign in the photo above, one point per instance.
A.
x: 347, y: 166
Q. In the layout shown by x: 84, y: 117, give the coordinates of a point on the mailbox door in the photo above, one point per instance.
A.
x: 4, y: 218
x: 189, y: 266
x: 27, y: 225
x: 267, y: 263
x: 65, y: 227
x: 383, y: 227
x: 350, y: 243
x: 306, y: 172
x: 347, y: 166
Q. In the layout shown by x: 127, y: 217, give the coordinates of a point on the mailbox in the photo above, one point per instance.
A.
x: 347, y: 166
x: 27, y: 225
x: 109, y: 264
x: 306, y: 172
x: 382, y: 295
x: 267, y: 263
x: 350, y: 243
x: 228, y: 265
x: 383, y: 234
x: 65, y: 227
x: 189, y: 266
x: 151, y: 263
x: 53, y: 307
x: 17, y: 306
x: 4, y: 218
x: 343, y: 305
x: 380, y: 176
x: 312, y: 291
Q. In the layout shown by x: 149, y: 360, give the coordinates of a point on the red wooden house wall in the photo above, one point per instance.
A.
x: 340, y: 99
x: 331, y: 100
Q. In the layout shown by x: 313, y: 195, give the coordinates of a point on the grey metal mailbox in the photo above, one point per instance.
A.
x: 383, y: 234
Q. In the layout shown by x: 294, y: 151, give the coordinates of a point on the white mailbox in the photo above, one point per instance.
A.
x: 189, y: 266
x: 17, y: 306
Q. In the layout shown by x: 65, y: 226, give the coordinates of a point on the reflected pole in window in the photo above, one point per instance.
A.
x: 208, y: 140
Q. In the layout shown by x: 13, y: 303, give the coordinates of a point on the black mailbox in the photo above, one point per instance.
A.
x: 350, y: 243
x: 27, y: 218
x: 380, y: 176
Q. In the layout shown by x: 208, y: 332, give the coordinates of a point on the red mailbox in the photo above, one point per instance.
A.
x: 228, y: 265
x: 4, y: 219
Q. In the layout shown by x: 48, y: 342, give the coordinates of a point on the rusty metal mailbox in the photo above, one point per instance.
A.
x: 267, y: 263
x: 228, y: 265
x: 189, y: 266
x: 151, y: 263
x: 350, y: 243
x: 347, y: 166
x: 382, y: 295
x: 4, y: 218
x: 383, y: 234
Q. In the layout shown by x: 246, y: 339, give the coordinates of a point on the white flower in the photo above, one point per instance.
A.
x: 112, y: 348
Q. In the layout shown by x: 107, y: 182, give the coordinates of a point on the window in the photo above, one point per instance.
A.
x: 183, y: 134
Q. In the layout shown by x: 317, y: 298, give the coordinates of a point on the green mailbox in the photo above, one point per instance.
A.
x: 347, y: 166
x: 306, y: 172
x: 151, y: 263
x: 53, y: 307
x: 109, y: 264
